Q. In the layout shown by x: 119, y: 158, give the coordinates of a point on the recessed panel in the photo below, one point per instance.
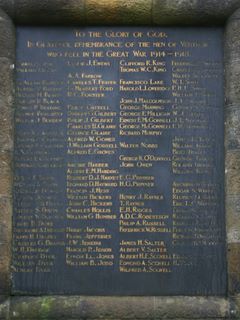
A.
x: 119, y: 162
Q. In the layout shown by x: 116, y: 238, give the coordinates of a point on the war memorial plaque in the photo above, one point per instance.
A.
x: 119, y: 162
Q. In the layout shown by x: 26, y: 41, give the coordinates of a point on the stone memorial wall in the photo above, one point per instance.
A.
x: 119, y: 161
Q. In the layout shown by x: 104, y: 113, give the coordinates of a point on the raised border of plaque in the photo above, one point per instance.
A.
x: 122, y: 12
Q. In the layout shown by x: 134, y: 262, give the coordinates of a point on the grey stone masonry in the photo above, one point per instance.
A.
x: 232, y: 149
x: 121, y: 12
x: 7, y: 60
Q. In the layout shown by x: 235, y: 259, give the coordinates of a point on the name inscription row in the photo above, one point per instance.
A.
x: 119, y: 161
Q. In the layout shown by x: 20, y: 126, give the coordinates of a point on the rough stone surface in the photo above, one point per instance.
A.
x: 232, y: 128
x: 6, y: 125
x: 165, y: 12
x: 233, y: 268
x: 233, y: 218
x: 6, y: 105
x: 161, y: 12
x: 5, y: 244
x: 136, y: 12
x: 232, y: 146
x: 236, y: 13
x: 4, y: 307
x: 232, y: 172
x: 7, y: 80
x: 191, y: 12
x: 48, y: 12
x: 8, y: 7
x: 100, y: 12
x: 6, y: 174
x: 236, y: 301
x: 232, y: 58
x: 118, y: 12
x: 232, y: 72
x: 232, y: 41
x: 7, y: 57
x: 113, y: 308
x: 7, y: 37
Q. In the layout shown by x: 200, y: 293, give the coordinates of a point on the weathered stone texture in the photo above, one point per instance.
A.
x: 4, y: 307
x: 232, y: 128
x: 112, y: 308
x: 233, y: 218
x: 136, y: 12
x: 6, y: 174
x: 232, y: 72
x: 48, y: 12
x: 7, y: 37
x: 233, y: 268
x: 5, y: 244
x: 232, y: 58
x: 6, y: 104
x: 232, y: 41
x: 192, y: 12
x: 162, y: 12
x: 232, y: 147
x: 118, y: 12
x: 8, y: 7
x: 6, y: 132
x: 100, y: 12
x: 236, y: 301
x: 232, y: 172
x: 7, y: 58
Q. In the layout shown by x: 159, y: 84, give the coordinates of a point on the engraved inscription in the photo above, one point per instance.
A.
x: 119, y: 162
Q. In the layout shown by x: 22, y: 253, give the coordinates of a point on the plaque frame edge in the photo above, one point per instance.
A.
x: 83, y: 307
